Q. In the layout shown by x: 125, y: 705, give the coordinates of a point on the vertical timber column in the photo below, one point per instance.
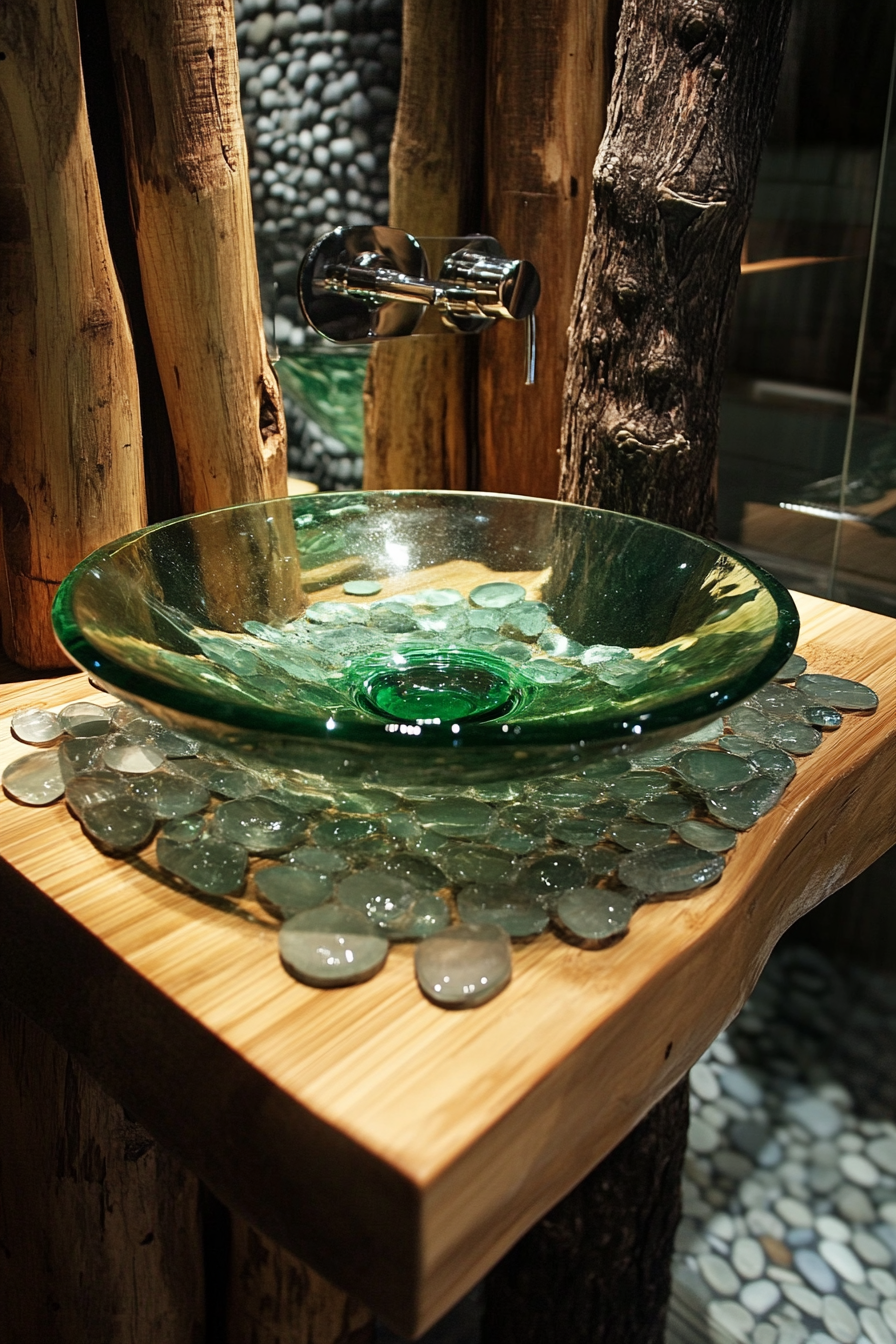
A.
x: 419, y: 391
x: 178, y: 77
x: 100, y: 1237
x: 546, y: 99
x: 71, y: 473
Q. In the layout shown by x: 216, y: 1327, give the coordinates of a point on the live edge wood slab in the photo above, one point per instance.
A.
x: 398, y: 1148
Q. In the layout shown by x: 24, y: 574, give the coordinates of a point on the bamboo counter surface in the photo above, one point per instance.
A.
x: 398, y: 1148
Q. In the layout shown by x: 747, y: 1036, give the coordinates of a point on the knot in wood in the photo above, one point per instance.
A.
x: 699, y: 24
x: 628, y: 293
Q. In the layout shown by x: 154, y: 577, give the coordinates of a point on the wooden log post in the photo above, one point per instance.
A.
x: 419, y: 393
x: 546, y: 99
x: 177, y: 71
x: 71, y: 473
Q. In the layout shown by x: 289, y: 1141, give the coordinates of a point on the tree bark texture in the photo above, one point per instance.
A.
x: 417, y: 420
x: 673, y: 185
x: 597, y: 1268
x: 71, y: 474
x: 100, y: 1238
x: 276, y: 1299
x: 545, y: 106
x: 176, y: 63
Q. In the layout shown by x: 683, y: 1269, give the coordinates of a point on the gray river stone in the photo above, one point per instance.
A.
x: 519, y: 914
x: 704, y: 835
x: 36, y: 727
x: 711, y: 769
x: 595, y: 915
x: 838, y: 692
x: 260, y: 823
x: 289, y: 888
x: 36, y: 779
x: 332, y: 945
x: 211, y: 866
x: 119, y: 825
x: 465, y: 966
x: 671, y: 869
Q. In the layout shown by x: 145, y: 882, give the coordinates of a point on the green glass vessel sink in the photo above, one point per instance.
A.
x: 424, y: 637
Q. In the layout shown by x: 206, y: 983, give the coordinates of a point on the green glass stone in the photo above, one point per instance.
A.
x: 799, y: 739
x: 183, y: 829
x: 707, y: 769
x: 703, y: 835
x: 497, y: 594
x: 332, y: 945
x: 603, y: 653
x: 366, y: 802
x: 748, y: 722
x: 778, y: 702
x: 822, y: 716
x: 577, y: 831
x: 520, y: 916
x: 530, y: 818
x: 119, y: 825
x: 594, y: 916
x: 336, y: 613
x: 461, y: 817
x: 83, y: 719
x: 623, y: 676
x: 100, y: 786
x: 524, y: 620
x: 545, y: 673
x: 169, y: 796
x: 362, y: 587
x: 513, y: 649
x: 209, y: 866
x: 475, y: 863
x: 837, y: 692
x: 600, y: 861
x: 289, y: 888
x: 638, y: 834
x: 231, y: 654
x: 739, y: 746
x: 429, y: 845
x: 656, y: 756
x: 556, y: 643
x: 383, y: 897
x: 671, y: 869
x: 225, y: 781
x: 513, y: 841
x: 667, y: 810
x: 638, y: 786
x: 708, y: 733
x: 260, y: 823
x: 35, y: 779
x: 742, y: 806
x: 317, y: 860
x: 393, y: 620
x: 428, y: 915
x: 401, y: 826
x: 36, y: 727
x: 485, y: 619
x: 299, y: 799
x: 793, y: 668
x: 505, y: 791
x: 465, y: 966
x: 547, y: 877
x: 422, y: 875
x: 563, y: 794
x: 773, y: 762
x: 344, y: 831
x: 175, y: 746
x: 438, y: 597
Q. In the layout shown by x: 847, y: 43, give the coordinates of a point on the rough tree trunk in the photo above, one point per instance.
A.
x: 673, y: 186
x: 71, y: 472
x: 176, y: 63
x: 597, y: 1268
x: 545, y: 105
x: 419, y: 393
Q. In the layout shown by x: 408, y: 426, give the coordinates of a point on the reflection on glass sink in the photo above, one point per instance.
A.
x: 423, y: 636
x: 327, y: 381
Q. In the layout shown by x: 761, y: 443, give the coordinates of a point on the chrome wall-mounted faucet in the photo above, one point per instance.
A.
x: 370, y: 283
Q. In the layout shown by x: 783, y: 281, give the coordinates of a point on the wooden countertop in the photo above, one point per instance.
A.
x: 398, y: 1148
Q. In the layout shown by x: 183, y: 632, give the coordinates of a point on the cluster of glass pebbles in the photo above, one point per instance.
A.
x: 462, y: 873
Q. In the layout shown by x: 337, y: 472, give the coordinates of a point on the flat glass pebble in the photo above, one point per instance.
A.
x: 562, y: 793
x: 638, y: 834
x: 514, y: 649
x: 79, y: 755
x: 742, y: 806
x: 497, y: 594
x: 428, y: 915
x: 529, y: 816
x: 639, y: 786
x: 290, y: 889
x: 555, y: 642
x: 210, y: 866
x: 779, y: 702
x: 382, y: 896
x: 594, y: 915
x: 83, y: 719
x: 600, y: 861
x: 703, y: 835
x: 800, y: 739
x: 439, y: 597
x: 822, y: 716
x: 623, y: 675
x: 401, y: 826
x: 519, y: 915
x: 98, y: 787
x: 837, y: 692
x: 260, y: 823
x: 362, y: 587
x: 711, y: 769
x: 485, y: 618
x: 524, y: 620
x: 774, y: 762
x: 602, y: 653
x: 394, y: 620
x: 131, y: 758
x: 512, y: 840
x: 120, y: 824
x: 462, y: 817
x: 35, y: 779
x: 793, y: 668
x: 168, y: 796
x: 344, y: 831
x: 577, y: 831
x: 231, y: 783
x: 465, y: 966
x: 738, y: 746
x: 183, y: 829
x: 332, y: 945
x: 708, y: 733
x: 475, y: 863
x: 504, y: 791
x: 670, y: 869
x: 175, y: 745
x: 337, y: 613
x: 36, y: 727
x: 747, y: 722
x: 366, y: 802
x: 545, y: 673
x: 318, y: 860
x: 553, y: 874
x: 667, y: 810
x: 422, y: 875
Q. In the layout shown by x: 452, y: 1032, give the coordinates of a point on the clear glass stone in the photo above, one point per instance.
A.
x: 36, y: 727
x: 595, y: 915
x: 332, y: 945
x: 578, y: 831
x: 555, y: 642
x: 524, y: 620
x: 465, y: 966
x: 168, y: 796
x: 546, y: 673
x: 548, y: 876
x: 100, y: 786
x: 183, y: 829
x: 822, y: 716
x: 742, y: 806
x: 261, y: 824
x: 84, y: 719
x: 35, y: 779
x: 210, y: 866
x: 667, y: 810
x: 362, y: 587
x: 344, y: 831
x: 337, y: 613
x: 119, y: 824
x: 799, y: 739
x: 420, y: 873
x: 79, y: 756
x: 131, y: 758
x: 497, y: 594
